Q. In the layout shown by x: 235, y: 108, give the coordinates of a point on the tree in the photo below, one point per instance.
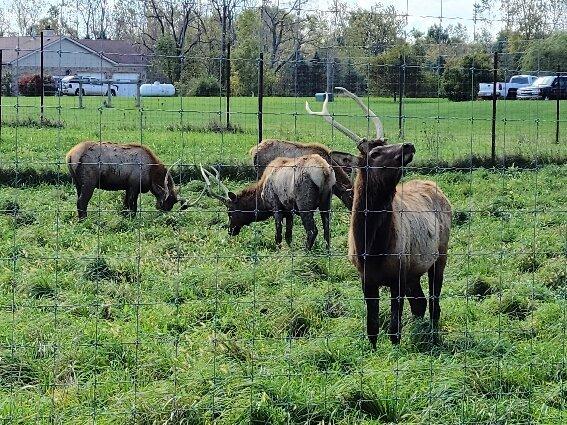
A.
x: 284, y: 33
x: 245, y: 65
x: 373, y: 31
x: 461, y: 78
x: 4, y: 24
x: 317, y: 74
x: 166, y: 60
x: 548, y: 55
x: 400, y: 64
x: 27, y: 14
x: 531, y: 18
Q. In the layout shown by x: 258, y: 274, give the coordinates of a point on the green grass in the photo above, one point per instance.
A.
x: 164, y: 318
x: 442, y: 130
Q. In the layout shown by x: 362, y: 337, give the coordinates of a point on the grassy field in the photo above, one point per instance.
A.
x: 166, y: 319
x: 441, y: 130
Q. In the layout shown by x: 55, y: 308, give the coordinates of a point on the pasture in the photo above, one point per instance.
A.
x: 164, y: 318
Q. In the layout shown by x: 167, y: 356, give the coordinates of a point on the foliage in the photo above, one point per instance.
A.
x: 548, y: 55
x: 245, y: 55
x: 461, y: 79
x: 31, y: 84
x: 6, y: 88
x: 201, y: 86
x: 166, y: 58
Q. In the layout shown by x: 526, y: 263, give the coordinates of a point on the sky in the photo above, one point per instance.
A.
x: 424, y: 13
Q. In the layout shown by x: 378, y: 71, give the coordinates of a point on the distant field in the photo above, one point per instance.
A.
x: 164, y: 318
x: 441, y: 130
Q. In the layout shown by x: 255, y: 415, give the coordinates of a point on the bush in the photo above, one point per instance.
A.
x: 203, y: 86
x: 459, y: 83
x: 6, y: 87
x: 30, y: 85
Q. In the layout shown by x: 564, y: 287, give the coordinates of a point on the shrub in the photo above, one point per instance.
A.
x: 203, y: 86
x: 30, y: 85
x: 6, y: 87
x: 459, y: 80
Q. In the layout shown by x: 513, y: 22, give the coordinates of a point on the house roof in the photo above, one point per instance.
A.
x: 118, y: 51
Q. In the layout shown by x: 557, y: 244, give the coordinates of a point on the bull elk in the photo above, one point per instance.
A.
x: 130, y: 167
x: 398, y: 232
x: 270, y: 149
x: 288, y: 186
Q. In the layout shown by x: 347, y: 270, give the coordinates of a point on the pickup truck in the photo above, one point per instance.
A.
x: 72, y: 85
x: 550, y: 87
x: 505, y: 90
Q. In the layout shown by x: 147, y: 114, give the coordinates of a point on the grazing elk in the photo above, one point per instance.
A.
x: 398, y: 232
x: 287, y: 186
x: 130, y: 167
x: 270, y: 149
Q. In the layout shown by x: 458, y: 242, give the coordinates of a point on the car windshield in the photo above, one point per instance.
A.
x: 543, y: 81
x: 519, y: 80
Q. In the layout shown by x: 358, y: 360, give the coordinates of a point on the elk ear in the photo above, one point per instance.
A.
x: 345, y: 160
x: 232, y: 196
x: 367, y: 145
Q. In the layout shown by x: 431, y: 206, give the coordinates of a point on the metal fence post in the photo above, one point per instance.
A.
x: 138, y: 84
x: 557, y: 105
x: 494, y: 82
x: 41, y: 79
x: 80, y: 92
x: 260, y: 94
x: 108, y: 96
x: 228, y: 85
x: 401, y: 94
x: 1, y: 86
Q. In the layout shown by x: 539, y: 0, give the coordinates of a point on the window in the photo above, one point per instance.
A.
x: 519, y: 80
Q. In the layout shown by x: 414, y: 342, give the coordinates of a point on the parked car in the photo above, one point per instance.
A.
x: 550, y: 87
x: 72, y: 85
x: 505, y: 90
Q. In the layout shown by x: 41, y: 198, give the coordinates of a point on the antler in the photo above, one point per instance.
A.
x: 369, y: 113
x: 325, y: 114
x: 206, y: 175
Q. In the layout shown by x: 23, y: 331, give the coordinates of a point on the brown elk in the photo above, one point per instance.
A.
x: 130, y: 167
x: 398, y: 232
x: 288, y: 186
x: 270, y: 149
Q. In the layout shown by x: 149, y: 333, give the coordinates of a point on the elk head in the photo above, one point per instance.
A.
x: 363, y: 145
x: 168, y: 195
x: 243, y: 209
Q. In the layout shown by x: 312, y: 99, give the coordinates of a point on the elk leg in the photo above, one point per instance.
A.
x: 133, y: 200
x: 278, y: 217
x: 83, y: 200
x: 416, y: 298
x: 325, y: 211
x: 310, y: 228
x: 396, y: 309
x: 435, y: 274
x: 288, y: 227
x: 371, y: 295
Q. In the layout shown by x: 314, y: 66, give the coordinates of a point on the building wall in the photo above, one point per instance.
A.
x: 66, y: 58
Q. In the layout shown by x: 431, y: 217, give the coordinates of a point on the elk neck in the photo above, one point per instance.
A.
x: 372, y: 213
x: 250, y: 199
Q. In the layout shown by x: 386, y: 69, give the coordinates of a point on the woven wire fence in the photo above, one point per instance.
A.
x: 164, y: 317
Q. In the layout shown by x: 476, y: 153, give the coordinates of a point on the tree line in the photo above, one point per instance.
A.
x: 365, y: 50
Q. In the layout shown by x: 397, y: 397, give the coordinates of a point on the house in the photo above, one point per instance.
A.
x: 63, y: 55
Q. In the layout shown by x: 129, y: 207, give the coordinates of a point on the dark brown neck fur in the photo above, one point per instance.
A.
x: 250, y: 199
x: 372, y: 214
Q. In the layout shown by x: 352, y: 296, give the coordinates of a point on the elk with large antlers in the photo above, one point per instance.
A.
x: 130, y: 167
x: 398, y: 232
x: 270, y: 149
x: 288, y: 186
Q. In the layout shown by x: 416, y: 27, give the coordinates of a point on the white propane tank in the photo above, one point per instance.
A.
x: 157, y: 89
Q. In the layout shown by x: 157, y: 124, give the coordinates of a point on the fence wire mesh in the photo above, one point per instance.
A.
x: 183, y: 317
